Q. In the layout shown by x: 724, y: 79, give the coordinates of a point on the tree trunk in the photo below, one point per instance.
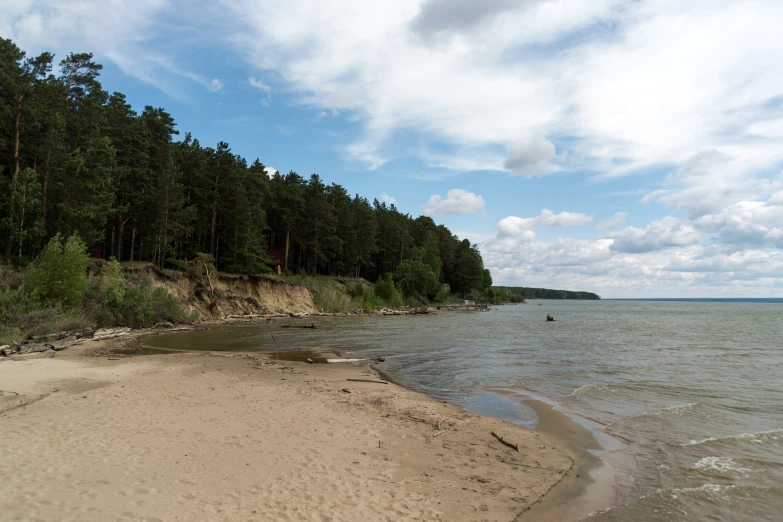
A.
x: 212, y: 242
x: 287, y: 243
x: 165, y: 229
x: 17, y: 124
x: 120, y: 232
x: 133, y: 242
x: 45, y: 184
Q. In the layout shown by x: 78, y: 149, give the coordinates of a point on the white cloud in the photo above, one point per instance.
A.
x: 388, y: 199
x: 513, y: 225
x: 457, y: 201
x: 661, y: 234
x: 514, y: 234
x: 621, y: 85
x: 270, y: 172
x: 258, y: 84
x: 133, y: 35
x: 613, y: 222
x: 530, y: 157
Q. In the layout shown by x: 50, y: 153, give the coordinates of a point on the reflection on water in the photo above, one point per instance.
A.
x: 694, y: 387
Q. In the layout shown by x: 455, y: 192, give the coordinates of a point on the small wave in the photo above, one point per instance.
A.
x: 669, y: 410
x: 760, y: 437
x: 724, y: 465
x: 712, y: 490
x: 589, y: 387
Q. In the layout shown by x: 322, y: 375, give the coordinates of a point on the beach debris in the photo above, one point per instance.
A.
x: 346, y: 390
x: 7, y: 351
x: 103, y: 334
x: 334, y: 361
x: 310, y: 361
x: 549, y: 317
x: 311, y: 326
x: 504, y: 442
x: 33, y: 355
x: 368, y: 380
x: 164, y: 324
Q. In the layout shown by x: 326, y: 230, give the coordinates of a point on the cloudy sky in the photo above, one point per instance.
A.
x: 626, y: 147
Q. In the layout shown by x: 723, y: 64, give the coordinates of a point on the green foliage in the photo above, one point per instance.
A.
x: 25, y: 207
x: 443, y: 296
x: 59, y: 274
x: 77, y: 159
x: 416, y: 277
x: 145, y: 306
x: 357, y: 290
x: 106, y: 295
x: 388, y: 291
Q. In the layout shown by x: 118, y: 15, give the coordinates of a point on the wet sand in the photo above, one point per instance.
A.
x: 588, y: 486
x: 208, y: 436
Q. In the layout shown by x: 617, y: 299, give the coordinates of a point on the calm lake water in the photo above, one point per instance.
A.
x: 693, y: 389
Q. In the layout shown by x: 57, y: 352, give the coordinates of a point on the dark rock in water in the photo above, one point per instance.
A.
x: 549, y: 317
x: 381, y: 359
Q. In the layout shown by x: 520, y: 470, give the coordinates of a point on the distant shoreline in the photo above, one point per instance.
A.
x: 701, y: 299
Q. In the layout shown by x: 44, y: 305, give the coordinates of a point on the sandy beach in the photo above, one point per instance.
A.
x: 200, y: 436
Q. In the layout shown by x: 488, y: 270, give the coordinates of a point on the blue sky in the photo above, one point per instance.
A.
x: 626, y: 147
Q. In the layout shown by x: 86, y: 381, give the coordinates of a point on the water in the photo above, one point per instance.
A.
x: 694, y: 389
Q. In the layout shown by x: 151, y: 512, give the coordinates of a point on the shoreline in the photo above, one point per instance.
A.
x: 435, y: 460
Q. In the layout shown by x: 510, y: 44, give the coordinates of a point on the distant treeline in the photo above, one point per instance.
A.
x: 547, y: 293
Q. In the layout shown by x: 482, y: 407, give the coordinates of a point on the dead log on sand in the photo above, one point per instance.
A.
x: 506, y: 443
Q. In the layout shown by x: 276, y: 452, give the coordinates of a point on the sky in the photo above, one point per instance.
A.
x: 632, y: 148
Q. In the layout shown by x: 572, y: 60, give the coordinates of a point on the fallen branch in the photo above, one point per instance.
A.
x: 368, y: 380
x: 333, y: 361
x: 512, y: 446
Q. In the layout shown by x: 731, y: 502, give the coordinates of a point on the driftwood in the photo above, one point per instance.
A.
x: 109, y: 333
x: 7, y: 350
x: 368, y: 380
x: 333, y: 361
x: 310, y: 326
x: 506, y: 443
x: 28, y: 356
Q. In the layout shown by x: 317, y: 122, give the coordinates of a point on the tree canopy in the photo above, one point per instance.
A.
x: 77, y: 159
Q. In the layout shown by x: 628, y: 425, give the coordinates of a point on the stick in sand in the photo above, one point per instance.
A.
x: 367, y: 380
x: 512, y: 446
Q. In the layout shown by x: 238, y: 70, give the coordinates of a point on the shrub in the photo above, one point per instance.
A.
x: 59, y: 273
x: 145, y: 306
x: 106, y: 295
x: 416, y: 277
x: 357, y: 290
x: 389, y: 292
